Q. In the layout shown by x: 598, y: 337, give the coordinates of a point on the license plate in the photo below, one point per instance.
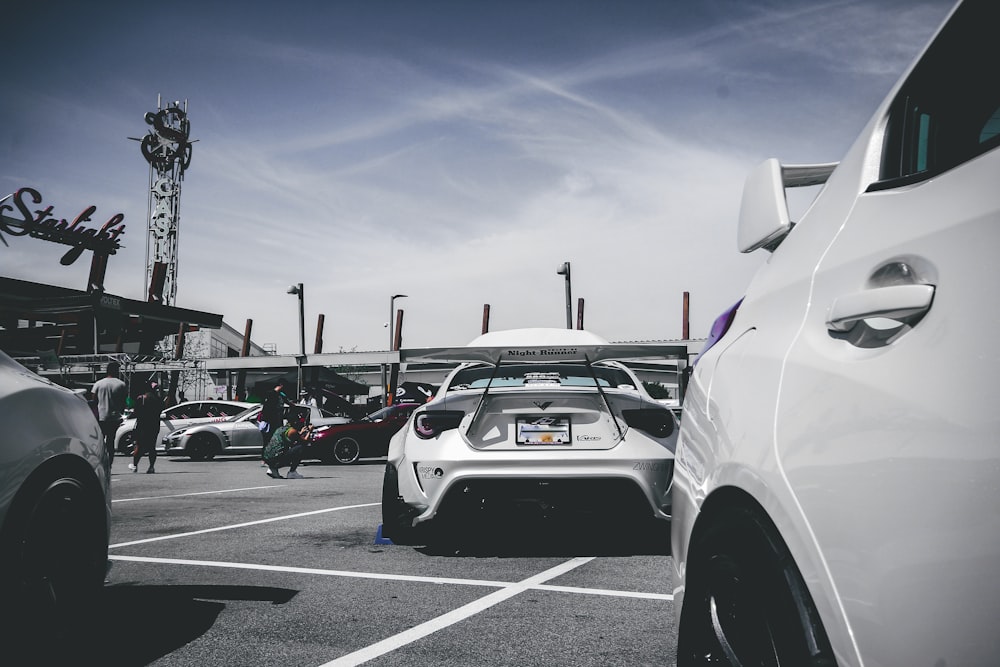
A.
x: 545, y: 430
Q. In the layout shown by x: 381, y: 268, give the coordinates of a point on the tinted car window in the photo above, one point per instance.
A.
x: 188, y: 411
x: 948, y: 111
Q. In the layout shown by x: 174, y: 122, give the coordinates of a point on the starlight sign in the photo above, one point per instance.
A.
x: 41, y: 224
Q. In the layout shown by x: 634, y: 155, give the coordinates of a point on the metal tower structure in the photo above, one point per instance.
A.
x: 167, y: 149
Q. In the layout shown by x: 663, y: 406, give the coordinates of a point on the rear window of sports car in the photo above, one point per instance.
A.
x: 517, y: 375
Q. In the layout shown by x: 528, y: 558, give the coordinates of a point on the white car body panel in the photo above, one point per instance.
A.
x: 876, y: 458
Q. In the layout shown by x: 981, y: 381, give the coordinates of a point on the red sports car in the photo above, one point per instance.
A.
x: 367, y: 437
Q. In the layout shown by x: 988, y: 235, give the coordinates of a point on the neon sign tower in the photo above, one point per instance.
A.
x: 167, y: 149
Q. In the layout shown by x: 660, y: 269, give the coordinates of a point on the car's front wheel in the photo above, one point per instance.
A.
x: 126, y: 443
x: 346, y: 450
x: 745, y: 601
x: 202, y: 447
x: 54, y: 548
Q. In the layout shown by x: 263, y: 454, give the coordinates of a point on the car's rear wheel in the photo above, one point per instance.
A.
x: 745, y: 601
x: 126, y: 443
x: 202, y: 447
x: 54, y: 549
x: 346, y: 450
x: 397, y: 524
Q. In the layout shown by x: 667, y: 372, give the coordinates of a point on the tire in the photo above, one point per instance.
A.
x: 126, y: 443
x: 202, y: 447
x: 54, y: 550
x: 746, y: 602
x: 397, y: 516
x: 346, y: 451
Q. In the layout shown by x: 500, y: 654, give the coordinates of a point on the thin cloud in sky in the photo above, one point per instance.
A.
x: 453, y: 151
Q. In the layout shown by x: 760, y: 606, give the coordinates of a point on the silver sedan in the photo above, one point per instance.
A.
x: 239, y: 434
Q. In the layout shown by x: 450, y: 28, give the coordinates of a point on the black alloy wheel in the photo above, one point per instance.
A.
x: 127, y: 443
x: 54, y: 551
x: 746, y: 603
x: 346, y: 450
x: 396, y: 515
x: 202, y: 447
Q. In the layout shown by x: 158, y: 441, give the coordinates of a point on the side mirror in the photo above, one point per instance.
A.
x: 764, y: 221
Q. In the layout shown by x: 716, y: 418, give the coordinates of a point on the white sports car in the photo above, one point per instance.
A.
x: 837, y: 487
x: 543, y: 419
x: 55, y: 508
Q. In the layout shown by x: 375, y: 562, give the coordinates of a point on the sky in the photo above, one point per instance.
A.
x: 457, y: 152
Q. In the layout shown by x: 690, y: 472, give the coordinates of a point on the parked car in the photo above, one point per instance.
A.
x: 367, y: 437
x: 837, y: 483
x: 238, y: 434
x: 55, y: 504
x: 180, y: 415
x: 544, y: 420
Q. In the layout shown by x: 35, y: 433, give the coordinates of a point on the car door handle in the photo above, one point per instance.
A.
x: 895, y: 302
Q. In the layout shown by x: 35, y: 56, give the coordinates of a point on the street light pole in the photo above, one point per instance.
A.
x: 298, y: 289
x: 392, y: 312
x: 563, y: 270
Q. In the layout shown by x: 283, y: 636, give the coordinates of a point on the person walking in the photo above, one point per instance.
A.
x: 272, y: 413
x: 286, y: 448
x: 110, y: 392
x: 148, y: 407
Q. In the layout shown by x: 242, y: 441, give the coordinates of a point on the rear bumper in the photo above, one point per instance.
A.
x: 548, y: 496
x: 622, y: 488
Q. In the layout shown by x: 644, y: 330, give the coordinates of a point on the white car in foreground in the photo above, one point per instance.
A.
x: 837, y: 482
x: 55, y: 507
x: 543, y: 419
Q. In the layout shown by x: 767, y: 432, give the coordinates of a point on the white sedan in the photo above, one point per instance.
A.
x: 544, y: 421
x: 837, y: 487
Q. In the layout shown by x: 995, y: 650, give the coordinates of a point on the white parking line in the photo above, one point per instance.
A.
x: 420, y: 631
x: 507, y: 589
x: 393, y: 577
x: 239, y: 525
x: 311, y: 570
x: 199, y: 493
x: 612, y: 593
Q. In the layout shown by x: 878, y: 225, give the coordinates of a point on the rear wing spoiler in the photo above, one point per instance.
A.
x: 764, y: 220
x: 802, y: 175
x: 541, y: 353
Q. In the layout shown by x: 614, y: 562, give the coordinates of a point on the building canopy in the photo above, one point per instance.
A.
x: 37, y: 318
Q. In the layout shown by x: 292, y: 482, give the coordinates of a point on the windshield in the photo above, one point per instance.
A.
x: 245, y: 413
x: 384, y: 413
x: 520, y: 375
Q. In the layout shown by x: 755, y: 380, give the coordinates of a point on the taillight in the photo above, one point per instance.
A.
x: 658, y: 423
x: 430, y: 423
x: 719, y: 328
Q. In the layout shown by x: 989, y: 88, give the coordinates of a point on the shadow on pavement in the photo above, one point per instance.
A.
x: 137, y: 625
x: 532, y: 537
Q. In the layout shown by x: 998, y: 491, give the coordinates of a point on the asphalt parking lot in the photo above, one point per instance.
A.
x: 217, y: 564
